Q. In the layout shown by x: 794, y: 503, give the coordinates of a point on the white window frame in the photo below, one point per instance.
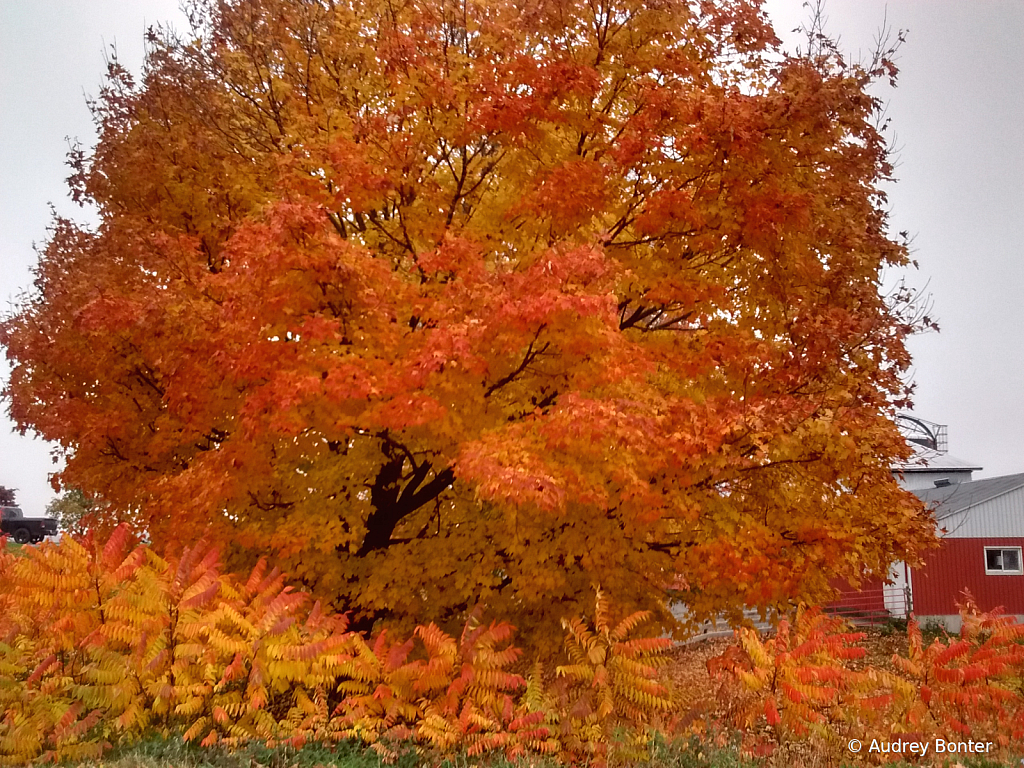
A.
x: 1002, y: 572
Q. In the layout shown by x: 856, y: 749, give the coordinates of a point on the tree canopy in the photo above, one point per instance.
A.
x: 484, y: 302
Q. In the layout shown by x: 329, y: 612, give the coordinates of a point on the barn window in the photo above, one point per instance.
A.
x: 1003, y: 560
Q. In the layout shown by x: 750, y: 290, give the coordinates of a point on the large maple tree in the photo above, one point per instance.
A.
x: 447, y: 303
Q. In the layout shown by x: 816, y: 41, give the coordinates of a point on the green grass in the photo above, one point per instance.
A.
x: 164, y: 753
x: 174, y: 753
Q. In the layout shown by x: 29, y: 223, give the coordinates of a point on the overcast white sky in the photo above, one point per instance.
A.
x: 958, y: 115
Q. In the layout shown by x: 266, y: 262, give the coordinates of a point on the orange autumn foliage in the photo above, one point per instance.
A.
x: 509, y: 297
x: 103, y: 645
x: 808, y: 687
x: 969, y: 687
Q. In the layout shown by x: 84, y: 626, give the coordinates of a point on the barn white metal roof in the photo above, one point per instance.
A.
x: 960, y: 497
x: 993, y: 507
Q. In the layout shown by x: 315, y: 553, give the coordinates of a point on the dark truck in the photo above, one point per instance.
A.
x: 25, y: 529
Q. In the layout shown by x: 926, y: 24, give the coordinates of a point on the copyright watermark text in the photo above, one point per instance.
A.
x: 907, y: 747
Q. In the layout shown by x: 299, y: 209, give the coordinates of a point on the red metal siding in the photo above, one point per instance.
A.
x: 960, y: 564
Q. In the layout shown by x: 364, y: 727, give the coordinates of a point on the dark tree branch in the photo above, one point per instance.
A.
x: 529, y: 357
x: 654, y: 318
x: 393, y: 500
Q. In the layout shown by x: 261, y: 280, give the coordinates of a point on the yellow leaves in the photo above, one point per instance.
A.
x: 154, y: 629
x: 253, y: 660
x: 614, y: 679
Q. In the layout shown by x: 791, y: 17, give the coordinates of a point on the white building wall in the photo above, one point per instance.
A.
x: 920, y: 481
x: 896, y: 594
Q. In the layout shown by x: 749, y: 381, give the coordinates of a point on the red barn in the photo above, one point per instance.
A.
x: 982, y: 527
x: 981, y: 523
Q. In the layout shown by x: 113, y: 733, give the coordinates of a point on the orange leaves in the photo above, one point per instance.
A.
x: 156, y: 649
x: 800, y: 681
x: 670, y: 209
x: 456, y: 694
x: 970, y: 685
x: 570, y: 194
x: 377, y: 308
x: 803, y: 684
x: 469, y: 696
x: 136, y: 639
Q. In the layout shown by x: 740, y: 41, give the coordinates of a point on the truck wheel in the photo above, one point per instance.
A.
x: 37, y: 539
x: 21, y: 535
